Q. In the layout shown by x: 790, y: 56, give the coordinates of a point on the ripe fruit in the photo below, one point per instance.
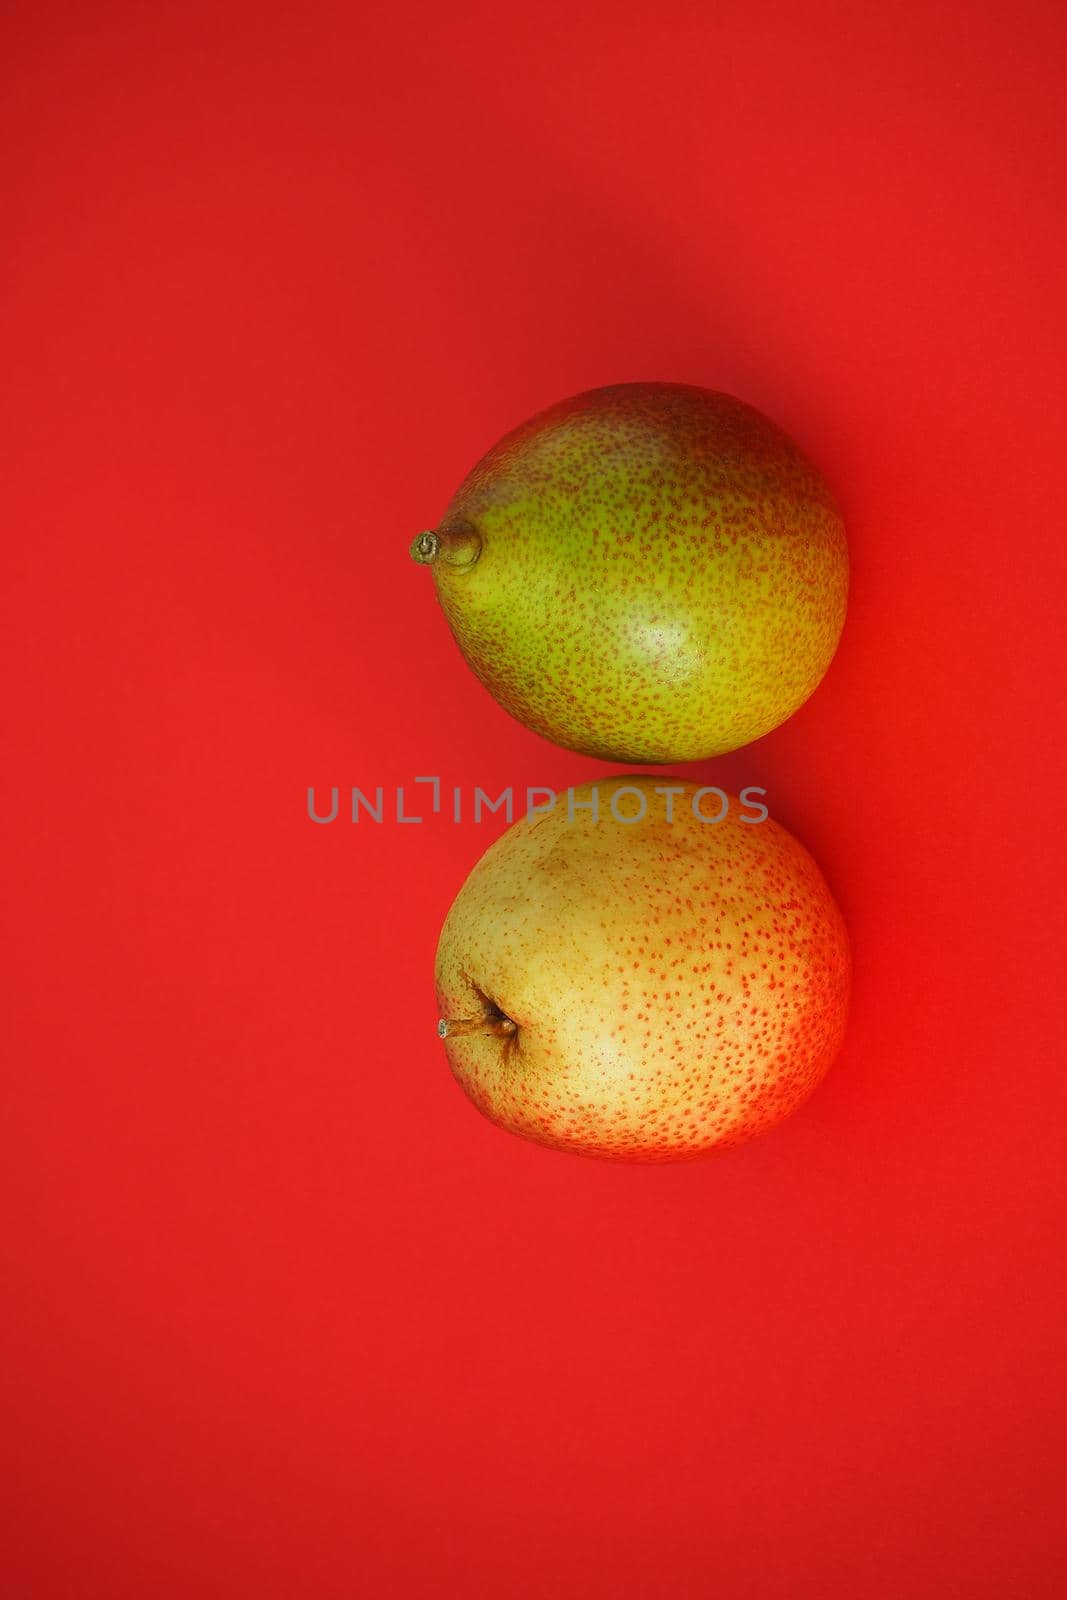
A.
x: 642, y: 990
x: 648, y: 572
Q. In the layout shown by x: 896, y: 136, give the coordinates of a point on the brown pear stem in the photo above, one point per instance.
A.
x: 458, y: 546
x: 496, y: 1027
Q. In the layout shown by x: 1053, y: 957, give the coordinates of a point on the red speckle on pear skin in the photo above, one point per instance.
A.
x: 680, y: 988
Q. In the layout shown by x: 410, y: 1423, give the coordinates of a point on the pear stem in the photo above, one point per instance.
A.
x: 457, y: 546
x: 496, y: 1027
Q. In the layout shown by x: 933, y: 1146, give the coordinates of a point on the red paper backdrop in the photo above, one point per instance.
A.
x: 284, y: 1316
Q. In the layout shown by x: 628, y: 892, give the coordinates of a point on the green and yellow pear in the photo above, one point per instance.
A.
x: 649, y: 572
x: 647, y: 972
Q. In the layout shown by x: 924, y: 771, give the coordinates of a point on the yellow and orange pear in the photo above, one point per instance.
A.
x: 625, y: 976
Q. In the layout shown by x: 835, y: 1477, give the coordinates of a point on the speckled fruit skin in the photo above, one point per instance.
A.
x: 663, y: 575
x: 679, y: 987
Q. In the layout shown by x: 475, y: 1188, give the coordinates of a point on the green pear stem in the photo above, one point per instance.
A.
x: 496, y: 1027
x: 458, y: 546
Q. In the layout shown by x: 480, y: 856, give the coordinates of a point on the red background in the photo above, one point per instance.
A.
x: 284, y: 1316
